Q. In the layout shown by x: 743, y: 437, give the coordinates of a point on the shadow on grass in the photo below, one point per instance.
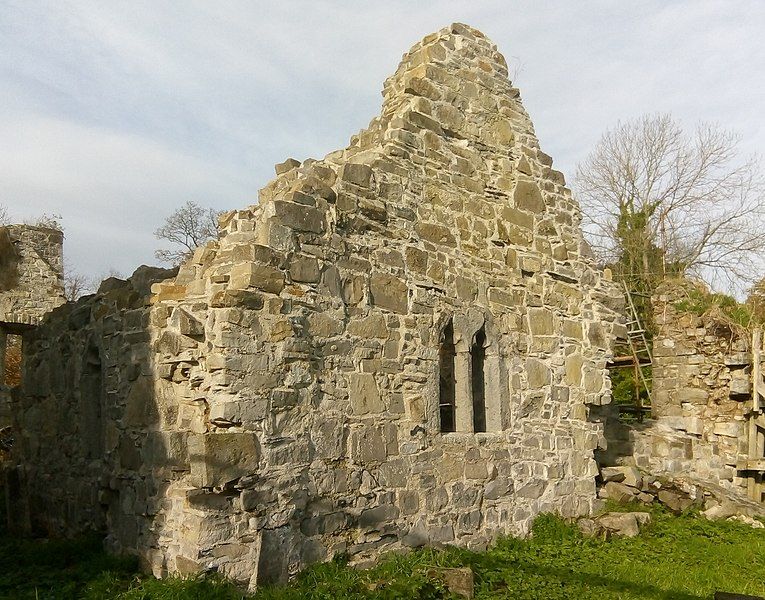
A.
x: 601, y: 586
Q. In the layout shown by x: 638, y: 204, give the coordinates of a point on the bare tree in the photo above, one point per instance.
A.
x: 186, y: 228
x: 4, y: 220
x: 657, y: 200
x: 76, y: 285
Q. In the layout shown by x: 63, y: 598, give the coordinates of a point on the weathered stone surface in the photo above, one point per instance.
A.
x: 623, y: 524
x: 286, y: 166
x: 299, y: 217
x: 262, y: 277
x: 436, y: 234
x: 618, y: 492
x: 219, y: 458
x: 389, y: 292
x: 674, y: 501
x: 528, y: 197
x: 365, y: 397
x: 31, y: 272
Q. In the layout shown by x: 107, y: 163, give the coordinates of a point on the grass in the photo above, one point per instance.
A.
x: 675, y: 558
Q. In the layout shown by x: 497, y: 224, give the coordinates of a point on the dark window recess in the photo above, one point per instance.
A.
x: 478, y: 358
x: 447, y: 388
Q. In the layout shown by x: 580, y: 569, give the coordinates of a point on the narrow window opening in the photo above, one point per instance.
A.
x: 12, y: 366
x: 478, y: 358
x: 447, y: 383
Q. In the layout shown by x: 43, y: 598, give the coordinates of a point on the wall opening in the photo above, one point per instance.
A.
x: 12, y: 368
x: 478, y: 360
x: 447, y: 381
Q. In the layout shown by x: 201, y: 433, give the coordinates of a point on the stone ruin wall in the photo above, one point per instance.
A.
x: 31, y: 272
x: 31, y: 285
x: 701, y: 392
x: 277, y: 401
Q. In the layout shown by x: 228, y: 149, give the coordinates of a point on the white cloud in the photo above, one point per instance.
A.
x: 115, y: 113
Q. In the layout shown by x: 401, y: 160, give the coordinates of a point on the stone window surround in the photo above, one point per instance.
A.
x: 466, y: 326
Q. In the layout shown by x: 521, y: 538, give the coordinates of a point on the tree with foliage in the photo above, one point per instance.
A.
x: 186, y: 229
x: 659, y: 201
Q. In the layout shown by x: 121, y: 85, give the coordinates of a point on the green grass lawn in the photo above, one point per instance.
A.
x: 675, y: 558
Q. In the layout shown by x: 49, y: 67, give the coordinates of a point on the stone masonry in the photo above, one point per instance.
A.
x: 31, y: 285
x: 398, y: 346
x: 701, y: 392
x: 31, y: 272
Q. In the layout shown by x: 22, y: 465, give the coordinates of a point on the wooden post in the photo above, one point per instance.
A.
x: 3, y: 347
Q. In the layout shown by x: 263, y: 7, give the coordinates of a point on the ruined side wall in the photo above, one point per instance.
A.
x: 701, y: 391
x: 85, y: 450
x: 288, y: 408
x: 31, y: 285
x: 31, y: 272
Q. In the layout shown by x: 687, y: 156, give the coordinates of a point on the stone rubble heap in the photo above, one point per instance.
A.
x: 626, y: 485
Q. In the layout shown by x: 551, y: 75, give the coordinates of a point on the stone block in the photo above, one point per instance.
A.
x: 364, y: 395
x: 219, y: 458
x: 618, y: 492
x: 528, y: 197
x: 541, y: 321
x: 389, y: 292
x: 286, y: 166
x: 436, y: 234
x: 368, y: 445
x: 373, y: 326
x: 299, y: 217
x: 537, y: 373
x: 304, y: 269
x: 357, y: 174
x: 262, y: 277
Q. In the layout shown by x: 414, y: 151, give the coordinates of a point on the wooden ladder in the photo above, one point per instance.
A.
x: 639, y: 357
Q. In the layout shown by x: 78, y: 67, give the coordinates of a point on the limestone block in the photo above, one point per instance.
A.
x: 262, y: 277
x: 436, y: 234
x: 304, y: 269
x: 373, y: 326
x: 541, y: 321
x: 630, y: 476
x: 286, y: 166
x: 141, y: 406
x: 528, y: 197
x: 218, y: 458
x: 364, y: 395
x: 389, y: 292
x: 732, y: 429
x: 323, y: 325
x: 368, y: 445
x: 537, y: 373
x: 299, y: 217
x: 692, y: 395
x: 357, y: 174
x: 618, y: 492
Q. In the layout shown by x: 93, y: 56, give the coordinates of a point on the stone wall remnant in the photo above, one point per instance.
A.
x: 31, y: 272
x: 31, y: 285
x: 701, y: 394
x: 284, y: 397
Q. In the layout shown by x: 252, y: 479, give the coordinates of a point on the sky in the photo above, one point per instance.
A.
x: 113, y: 114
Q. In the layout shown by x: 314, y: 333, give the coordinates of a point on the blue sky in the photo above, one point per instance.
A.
x: 113, y: 113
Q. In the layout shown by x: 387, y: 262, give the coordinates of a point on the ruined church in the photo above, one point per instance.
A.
x: 399, y: 345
